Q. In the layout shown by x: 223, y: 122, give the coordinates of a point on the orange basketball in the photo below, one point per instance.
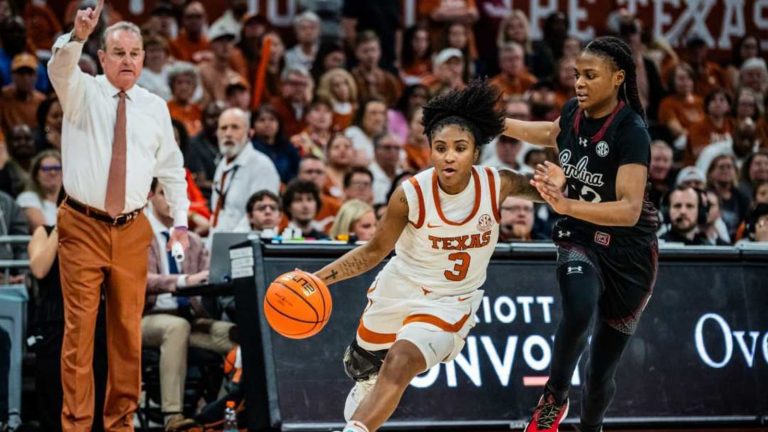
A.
x: 297, y: 305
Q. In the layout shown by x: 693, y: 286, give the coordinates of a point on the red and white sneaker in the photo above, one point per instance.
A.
x: 547, y: 415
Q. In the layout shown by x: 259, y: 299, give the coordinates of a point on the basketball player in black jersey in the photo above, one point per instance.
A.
x: 607, y: 248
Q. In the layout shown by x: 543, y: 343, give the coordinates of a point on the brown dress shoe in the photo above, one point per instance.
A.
x: 177, y: 422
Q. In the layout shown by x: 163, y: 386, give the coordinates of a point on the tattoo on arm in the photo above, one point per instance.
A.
x: 349, y: 265
x: 333, y: 275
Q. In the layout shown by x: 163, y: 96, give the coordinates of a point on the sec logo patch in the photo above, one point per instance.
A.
x: 602, y: 149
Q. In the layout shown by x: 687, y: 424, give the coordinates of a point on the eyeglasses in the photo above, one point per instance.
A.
x: 264, y: 207
x: 515, y: 209
x: 51, y: 168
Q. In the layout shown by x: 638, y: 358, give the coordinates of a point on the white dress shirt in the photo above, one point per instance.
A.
x: 249, y: 172
x: 90, y: 110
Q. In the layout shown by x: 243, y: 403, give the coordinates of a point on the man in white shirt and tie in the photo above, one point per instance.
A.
x: 116, y: 137
x: 241, y: 172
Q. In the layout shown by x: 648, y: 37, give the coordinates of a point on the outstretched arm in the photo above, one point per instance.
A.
x: 519, y: 185
x: 365, y: 257
x: 543, y: 133
x: 625, y: 211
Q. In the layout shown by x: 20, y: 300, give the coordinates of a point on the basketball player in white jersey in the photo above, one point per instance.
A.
x: 443, y: 225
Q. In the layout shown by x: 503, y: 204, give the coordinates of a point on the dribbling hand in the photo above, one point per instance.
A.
x: 86, y: 21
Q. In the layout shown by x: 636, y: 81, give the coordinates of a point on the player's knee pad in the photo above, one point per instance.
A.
x: 360, y: 364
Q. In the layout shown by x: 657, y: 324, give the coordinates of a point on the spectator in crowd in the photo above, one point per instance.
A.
x: 13, y: 41
x: 683, y: 107
x: 339, y: 87
x: 715, y: 127
x: 534, y: 156
x: 746, y: 112
x: 378, y: 18
x: 21, y: 146
x: 191, y: 42
x: 417, y: 149
x: 19, y: 101
x: 154, y: 76
x: 49, y: 119
x: 175, y: 323
x: 217, y: 73
x: 759, y: 196
x: 754, y: 170
x: 358, y: 184
x: 314, y: 139
x: 549, y: 49
x: 306, y: 28
x: 416, y: 58
x: 42, y: 193
x: 312, y: 168
x: 241, y: 171
x: 251, y: 41
x: 233, y: 17
x: 269, y: 140
x: 649, y: 85
x: 162, y: 22
x: 275, y: 73
x: 199, y: 212
x: 660, y: 173
x: 754, y: 75
x: 183, y: 81
x: 757, y: 224
x: 564, y: 80
x: 684, y: 212
x: 237, y: 94
x: 516, y: 108
x: 507, y: 151
x: 370, y: 120
x: 291, y: 105
x: 460, y: 36
x: 203, y: 153
x: 340, y: 158
x: 13, y: 178
x: 356, y: 221
x: 516, y: 223
x: 373, y: 81
x: 707, y: 75
x: 447, y: 72
x: 413, y: 98
x: 385, y: 166
x: 43, y: 24
x: 746, y: 48
x: 514, y: 79
x: 691, y: 177
x: 542, y: 100
x: 722, y: 177
x: 713, y: 229
x: 330, y: 55
x: 515, y: 28
x: 47, y: 328
x: 301, y: 203
x: 263, y: 213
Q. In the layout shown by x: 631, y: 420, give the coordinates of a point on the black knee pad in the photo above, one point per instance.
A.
x: 360, y: 364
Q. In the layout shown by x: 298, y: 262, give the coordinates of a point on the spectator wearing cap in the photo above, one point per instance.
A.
x: 514, y: 79
x: 691, y: 177
x: 232, y: 18
x: 371, y: 79
x: 447, y: 72
x: 191, y: 40
x: 754, y: 75
x: 707, y: 75
x: 291, y: 105
x: 217, y: 73
x: 154, y: 76
x: 238, y: 94
x: 183, y: 80
x: 306, y: 28
x: 19, y: 101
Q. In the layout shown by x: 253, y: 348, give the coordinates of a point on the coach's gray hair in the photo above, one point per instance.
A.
x: 122, y: 25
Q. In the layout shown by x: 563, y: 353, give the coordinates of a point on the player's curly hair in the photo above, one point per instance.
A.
x: 473, y: 109
x: 619, y: 54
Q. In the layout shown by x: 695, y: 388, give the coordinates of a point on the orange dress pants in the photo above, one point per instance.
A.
x: 93, y: 254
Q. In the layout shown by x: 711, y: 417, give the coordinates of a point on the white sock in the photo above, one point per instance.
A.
x: 355, y: 426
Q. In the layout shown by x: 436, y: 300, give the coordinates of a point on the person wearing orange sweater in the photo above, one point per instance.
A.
x: 716, y: 126
x: 681, y: 109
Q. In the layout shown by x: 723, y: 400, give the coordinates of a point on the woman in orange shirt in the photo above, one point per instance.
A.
x: 681, y: 109
x: 339, y: 87
x: 716, y: 126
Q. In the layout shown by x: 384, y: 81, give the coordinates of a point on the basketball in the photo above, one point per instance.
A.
x: 297, y: 304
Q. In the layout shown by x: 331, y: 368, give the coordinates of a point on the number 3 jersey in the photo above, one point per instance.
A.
x: 591, y: 152
x: 446, y: 246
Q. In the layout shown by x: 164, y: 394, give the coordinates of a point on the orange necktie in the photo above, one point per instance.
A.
x: 115, y: 200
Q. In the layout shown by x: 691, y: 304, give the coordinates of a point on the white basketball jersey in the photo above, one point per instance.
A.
x: 449, y: 240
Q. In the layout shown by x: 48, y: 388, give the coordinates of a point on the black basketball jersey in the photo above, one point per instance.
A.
x: 591, y: 152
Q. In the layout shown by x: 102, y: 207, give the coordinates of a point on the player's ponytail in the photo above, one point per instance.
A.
x: 620, y: 54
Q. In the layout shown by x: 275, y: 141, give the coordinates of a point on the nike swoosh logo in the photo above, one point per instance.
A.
x: 429, y: 225
x: 461, y: 299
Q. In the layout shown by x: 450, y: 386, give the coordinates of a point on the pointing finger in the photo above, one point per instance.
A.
x: 99, y: 7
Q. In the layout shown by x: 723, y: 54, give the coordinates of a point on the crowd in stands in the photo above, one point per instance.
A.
x: 305, y: 131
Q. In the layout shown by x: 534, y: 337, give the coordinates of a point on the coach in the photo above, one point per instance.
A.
x: 116, y: 136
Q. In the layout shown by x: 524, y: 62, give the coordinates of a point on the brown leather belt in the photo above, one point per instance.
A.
x: 100, y: 214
